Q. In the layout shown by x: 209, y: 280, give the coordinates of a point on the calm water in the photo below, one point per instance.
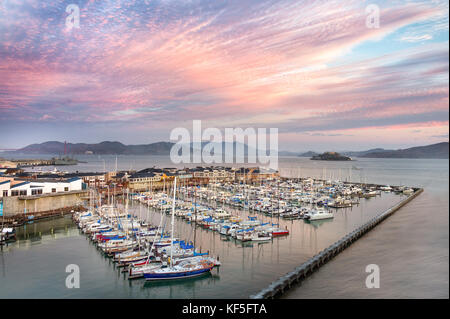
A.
x: 410, y: 248
x: 34, y: 266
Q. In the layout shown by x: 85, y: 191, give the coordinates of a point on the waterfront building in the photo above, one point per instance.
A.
x: 143, y: 180
x: 97, y: 180
x: 7, y: 164
x: 254, y: 174
x: 213, y: 173
x: 10, y: 187
x: 93, y: 180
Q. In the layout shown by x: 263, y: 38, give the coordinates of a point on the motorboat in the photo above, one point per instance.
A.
x: 318, y: 214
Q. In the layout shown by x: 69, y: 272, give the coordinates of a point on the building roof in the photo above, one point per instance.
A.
x: 58, y: 176
x: 143, y: 175
x: 155, y: 171
x: 169, y: 173
x: 245, y: 170
x: 150, y: 170
x: 59, y: 179
x: 19, y: 184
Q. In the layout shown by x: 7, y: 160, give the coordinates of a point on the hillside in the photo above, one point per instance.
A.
x: 439, y: 150
x: 362, y: 153
x: 53, y: 147
x: 117, y: 148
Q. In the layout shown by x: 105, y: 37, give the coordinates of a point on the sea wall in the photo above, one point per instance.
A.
x: 21, y: 205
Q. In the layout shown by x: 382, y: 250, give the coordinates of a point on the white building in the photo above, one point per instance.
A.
x: 12, y: 187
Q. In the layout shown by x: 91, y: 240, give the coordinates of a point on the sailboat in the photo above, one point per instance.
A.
x: 184, y: 269
x: 6, y: 233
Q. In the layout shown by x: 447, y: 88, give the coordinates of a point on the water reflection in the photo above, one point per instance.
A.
x: 184, y: 282
x: 246, y: 266
x: 35, y: 233
x: 317, y: 223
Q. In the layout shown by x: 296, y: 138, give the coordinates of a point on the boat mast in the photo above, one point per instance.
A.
x: 173, y: 220
x: 3, y: 219
x: 126, y: 202
x: 195, y: 214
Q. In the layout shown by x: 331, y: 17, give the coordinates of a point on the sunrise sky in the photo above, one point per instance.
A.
x: 134, y: 70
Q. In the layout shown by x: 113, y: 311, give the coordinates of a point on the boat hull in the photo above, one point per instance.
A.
x: 175, y: 275
x: 280, y: 233
x: 320, y: 217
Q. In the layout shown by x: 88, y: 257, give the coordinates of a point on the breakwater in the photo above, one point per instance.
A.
x: 20, y: 219
x: 20, y: 209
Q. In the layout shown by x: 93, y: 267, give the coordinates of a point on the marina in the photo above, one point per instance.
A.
x: 256, y: 233
x: 239, y: 151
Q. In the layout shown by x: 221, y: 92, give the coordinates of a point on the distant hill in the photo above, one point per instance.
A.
x: 362, y: 153
x: 439, y: 150
x: 53, y: 147
x: 308, y: 154
x: 287, y: 153
x: 117, y: 148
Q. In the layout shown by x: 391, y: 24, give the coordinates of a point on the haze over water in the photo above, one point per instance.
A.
x: 328, y: 75
x: 411, y: 249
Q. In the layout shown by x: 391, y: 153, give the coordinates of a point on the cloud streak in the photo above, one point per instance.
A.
x: 159, y: 64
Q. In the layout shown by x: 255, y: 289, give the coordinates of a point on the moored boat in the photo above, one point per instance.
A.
x: 185, y: 269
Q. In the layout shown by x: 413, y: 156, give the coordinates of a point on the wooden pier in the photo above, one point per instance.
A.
x: 33, y: 162
x: 21, y: 219
x: 278, y: 287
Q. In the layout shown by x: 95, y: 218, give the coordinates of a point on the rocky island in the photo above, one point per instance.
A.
x: 331, y: 156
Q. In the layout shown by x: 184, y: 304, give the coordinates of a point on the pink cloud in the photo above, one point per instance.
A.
x: 265, y: 64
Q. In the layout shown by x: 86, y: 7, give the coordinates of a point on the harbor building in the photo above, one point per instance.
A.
x: 213, y: 173
x: 25, y: 199
x: 10, y: 187
x: 7, y: 164
x: 94, y: 179
x: 150, y: 178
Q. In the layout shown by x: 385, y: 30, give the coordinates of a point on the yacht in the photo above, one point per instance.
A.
x: 318, y: 214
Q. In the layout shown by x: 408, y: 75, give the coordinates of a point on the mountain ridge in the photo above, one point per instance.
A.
x: 437, y: 150
x: 102, y: 148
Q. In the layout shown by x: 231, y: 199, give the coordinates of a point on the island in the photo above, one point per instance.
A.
x: 331, y: 156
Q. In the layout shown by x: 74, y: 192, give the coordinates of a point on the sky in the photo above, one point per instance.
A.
x: 315, y: 70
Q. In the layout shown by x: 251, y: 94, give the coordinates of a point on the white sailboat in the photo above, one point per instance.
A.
x: 318, y: 214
